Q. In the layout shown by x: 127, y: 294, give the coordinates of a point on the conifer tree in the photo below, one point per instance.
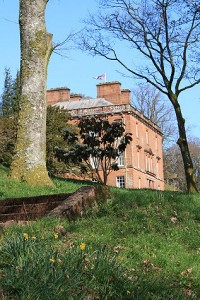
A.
x: 6, y: 105
x: 16, y: 93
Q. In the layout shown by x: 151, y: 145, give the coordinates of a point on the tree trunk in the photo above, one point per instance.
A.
x: 183, y: 144
x: 29, y: 163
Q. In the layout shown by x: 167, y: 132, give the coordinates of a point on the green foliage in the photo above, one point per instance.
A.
x: 8, y: 117
x: 16, y: 93
x: 101, y: 144
x: 11, y: 94
x: 8, y: 133
x: 6, y: 106
x: 55, y: 134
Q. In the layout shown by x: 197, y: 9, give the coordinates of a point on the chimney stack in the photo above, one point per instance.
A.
x: 57, y: 95
x: 112, y: 92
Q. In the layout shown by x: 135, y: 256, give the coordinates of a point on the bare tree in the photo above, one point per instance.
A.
x: 164, y: 36
x: 150, y: 102
x: 173, y: 165
x: 29, y: 163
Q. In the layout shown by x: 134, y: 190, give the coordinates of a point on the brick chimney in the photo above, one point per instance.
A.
x: 125, y: 96
x: 76, y: 97
x: 112, y: 92
x: 57, y: 95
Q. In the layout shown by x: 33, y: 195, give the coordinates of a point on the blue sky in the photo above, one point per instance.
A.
x: 76, y: 71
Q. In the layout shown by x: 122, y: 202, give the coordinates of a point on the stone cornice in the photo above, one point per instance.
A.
x: 115, y: 109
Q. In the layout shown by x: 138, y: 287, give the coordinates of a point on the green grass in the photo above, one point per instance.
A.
x: 139, y: 245
x: 14, y: 188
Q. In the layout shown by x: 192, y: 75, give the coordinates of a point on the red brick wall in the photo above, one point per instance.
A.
x: 125, y: 96
x: 75, y: 97
x: 112, y: 92
x: 143, y: 157
x: 56, y: 95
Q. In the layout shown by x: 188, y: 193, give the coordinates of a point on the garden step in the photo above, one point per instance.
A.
x: 26, y: 208
x: 71, y: 206
x: 20, y: 217
x: 35, y: 199
x: 29, y: 208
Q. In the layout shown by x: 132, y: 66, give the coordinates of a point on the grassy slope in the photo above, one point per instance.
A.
x: 14, y: 189
x: 154, y: 235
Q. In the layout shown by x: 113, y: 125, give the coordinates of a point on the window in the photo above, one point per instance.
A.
x: 139, y: 183
x: 148, y: 163
x: 157, y: 166
x: 151, y: 164
x: 94, y: 162
x: 137, y: 132
x: 120, y: 182
x: 93, y: 134
x: 120, y: 160
x: 138, y: 159
x: 156, y: 141
x: 147, y: 137
x: 150, y: 184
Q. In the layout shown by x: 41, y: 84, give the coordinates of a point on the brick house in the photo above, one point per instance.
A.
x: 141, y: 166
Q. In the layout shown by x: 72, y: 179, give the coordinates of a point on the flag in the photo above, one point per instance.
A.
x: 100, y: 77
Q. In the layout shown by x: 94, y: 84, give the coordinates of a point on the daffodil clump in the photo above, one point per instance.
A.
x: 70, y: 271
x: 25, y: 236
x: 82, y: 246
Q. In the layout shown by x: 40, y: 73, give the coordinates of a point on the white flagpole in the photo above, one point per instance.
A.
x: 104, y: 77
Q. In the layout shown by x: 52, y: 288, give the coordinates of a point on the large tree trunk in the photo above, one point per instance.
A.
x: 29, y: 163
x: 183, y: 144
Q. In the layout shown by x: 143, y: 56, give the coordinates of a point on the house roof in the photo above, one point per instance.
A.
x: 83, y: 103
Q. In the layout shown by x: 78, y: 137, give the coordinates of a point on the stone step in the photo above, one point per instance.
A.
x: 34, y: 200
x: 20, y: 217
x: 29, y: 208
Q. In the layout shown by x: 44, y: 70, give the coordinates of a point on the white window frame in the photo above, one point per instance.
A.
x: 120, y: 181
x: 120, y: 160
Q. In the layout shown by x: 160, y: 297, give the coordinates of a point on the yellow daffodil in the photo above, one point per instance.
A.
x: 52, y: 260
x: 25, y: 236
x: 34, y: 238
x: 56, y: 235
x: 82, y: 246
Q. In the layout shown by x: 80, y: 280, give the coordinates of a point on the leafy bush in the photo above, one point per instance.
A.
x: 8, y: 133
x: 56, y: 129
